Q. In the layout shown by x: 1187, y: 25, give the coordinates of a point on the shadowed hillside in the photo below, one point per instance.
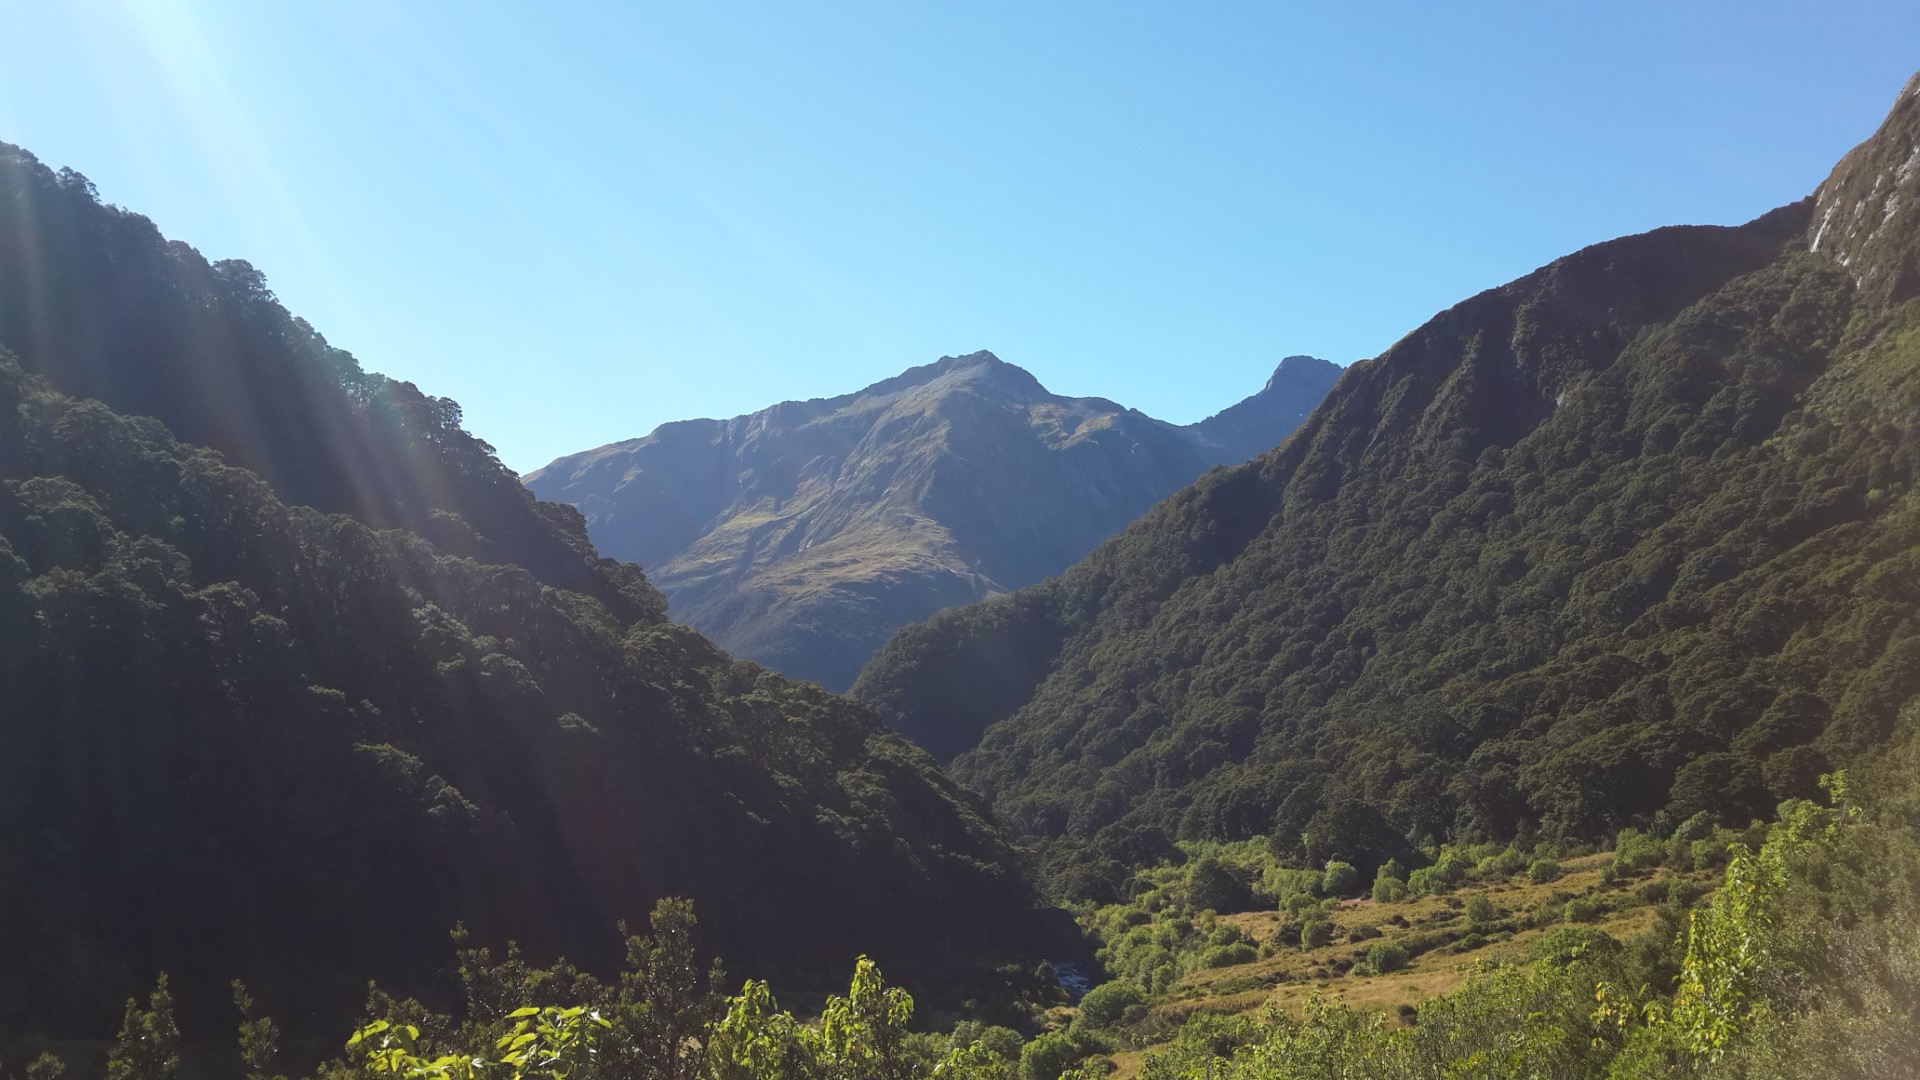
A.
x: 289, y: 705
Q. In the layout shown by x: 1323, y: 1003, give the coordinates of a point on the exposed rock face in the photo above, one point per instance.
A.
x: 803, y: 535
x: 1867, y: 213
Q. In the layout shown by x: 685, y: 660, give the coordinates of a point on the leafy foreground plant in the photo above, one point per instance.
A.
x: 666, y: 1022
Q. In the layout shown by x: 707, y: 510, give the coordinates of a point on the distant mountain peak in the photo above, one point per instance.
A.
x: 1298, y: 367
x: 803, y: 534
x: 980, y: 368
x: 1246, y: 430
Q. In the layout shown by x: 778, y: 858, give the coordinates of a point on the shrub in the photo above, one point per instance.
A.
x: 1214, y: 886
x: 1634, y: 850
x: 1543, y: 871
x: 1452, y: 868
x: 1001, y: 1042
x: 1681, y: 892
x: 1505, y: 862
x: 1480, y: 909
x: 1583, y: 909
x: 1105, y: 1004
x: 1315, y: 933
x: 1385, y: 956
x: 1219, y: 956
x: 1706, y: 854
x: 1697, y: 827
x: 1340, y: 879
x: 1562, y: 945
x: 1284, y: 883
x: 1389, y: 890
x: 1049, y: 1055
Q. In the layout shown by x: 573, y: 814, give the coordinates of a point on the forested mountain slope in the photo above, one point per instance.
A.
x: 243, y: 737
x: 95, y: 299
x: 801, y: 536
x: 1634, y: 535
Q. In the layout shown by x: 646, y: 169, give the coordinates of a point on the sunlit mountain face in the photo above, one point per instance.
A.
x: 803, y: 535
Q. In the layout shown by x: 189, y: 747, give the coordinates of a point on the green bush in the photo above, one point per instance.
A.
x: 1104, y: 1005
x: 1299, y: 904
x: 1681, y: 892
x: 1543, y: 871
x: 1634, y: 850
x: 1583, y: 909
x: 1452, y: 868
x: 1503, y: 863
x: 1315, y: 933
x: 1424, y: 882
x: 1049, y: 1054
x: 1219, y: 956
x: 1214, y: 886
x: 1480, y: 909
x: 1697, y: 827
x: 1564, y: 944
x: 1389, y: 890
x: 1340, y: 879
x: 1002, y: 1042
x: 1707, y: 854
x: 1385, y: 956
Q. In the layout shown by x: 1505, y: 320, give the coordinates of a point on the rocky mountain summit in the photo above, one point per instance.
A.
x: 803, y: 535
x: 1246, y: 429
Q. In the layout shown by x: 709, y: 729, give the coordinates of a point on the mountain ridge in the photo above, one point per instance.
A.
x: 802, y: 534
x: 1611, y: 543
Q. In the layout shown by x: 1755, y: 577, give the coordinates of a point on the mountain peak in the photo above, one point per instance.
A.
x: 1866, y: 216
x: 1254, y: 425
x: 1302, y: 370
x: 980, y: 368
x: 804, y: 534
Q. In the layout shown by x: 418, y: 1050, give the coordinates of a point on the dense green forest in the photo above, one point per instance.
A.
x: 1627, y: 539
x: 289, y: 705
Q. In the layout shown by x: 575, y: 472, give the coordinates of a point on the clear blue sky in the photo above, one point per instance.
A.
x: 583, y: 220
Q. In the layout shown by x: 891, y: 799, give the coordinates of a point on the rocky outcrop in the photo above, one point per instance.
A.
x: 1866, y: 216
